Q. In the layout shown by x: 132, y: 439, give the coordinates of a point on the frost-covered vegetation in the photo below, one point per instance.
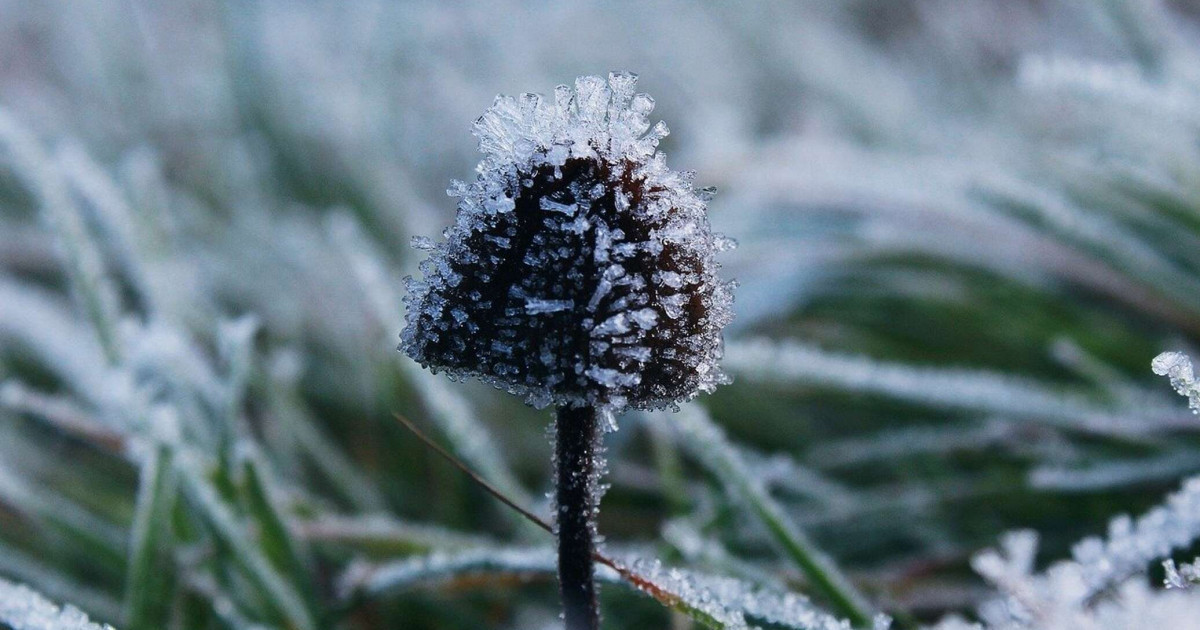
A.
x: 965, y: 231
x: 580, y: 269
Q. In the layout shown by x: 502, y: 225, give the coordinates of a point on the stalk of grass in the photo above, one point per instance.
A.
x: 148, y: 586
x: 274, y: 537
x: 710, y: 446
x: 281, y: 594
x: 85, y: 268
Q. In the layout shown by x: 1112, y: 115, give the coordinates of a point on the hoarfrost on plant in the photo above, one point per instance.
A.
x: 580, y: 269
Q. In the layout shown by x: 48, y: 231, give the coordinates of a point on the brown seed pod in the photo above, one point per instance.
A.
x: 580, y: 269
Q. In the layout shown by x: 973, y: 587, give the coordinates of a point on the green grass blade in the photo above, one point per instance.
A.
x: 148, y: 587
x: 710, y: 446
x: 277, y: 542
x: 85, y: 266
x: 283, y: 597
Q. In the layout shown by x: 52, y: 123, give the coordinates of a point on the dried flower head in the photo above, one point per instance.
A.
x: 580, y: 269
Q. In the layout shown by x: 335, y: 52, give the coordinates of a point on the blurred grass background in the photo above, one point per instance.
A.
x: 965, y: 229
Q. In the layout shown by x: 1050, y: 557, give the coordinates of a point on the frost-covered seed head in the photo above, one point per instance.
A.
x: 580, y: 269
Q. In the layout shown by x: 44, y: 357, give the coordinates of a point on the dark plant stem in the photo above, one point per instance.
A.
x: 576, y: 441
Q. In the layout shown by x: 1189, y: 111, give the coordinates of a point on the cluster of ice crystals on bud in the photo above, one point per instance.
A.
x: 580, y: 269
x: 1178, y: 368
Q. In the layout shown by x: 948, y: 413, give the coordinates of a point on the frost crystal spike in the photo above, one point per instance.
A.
x: 580, y: 269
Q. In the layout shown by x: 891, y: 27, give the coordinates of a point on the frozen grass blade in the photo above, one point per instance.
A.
x: 44, y: 325
x: 1107, y: 239
x: 274, y: 537
x: 723, y: 602
x: 113, y: 213
x: 497, y: 565
x: 901, y: 443
x: 718, y: 603
x: 85, y: 267
x: 235, y: 344
x: 384, y: 534
x: 293, y: 419
x: 283, y: 596
x: 672, y: 588
x: 219, y: 601
x: 62, y: 414
x: 791, y: 362
x: 1115, y: 474
x: 373, y: 581
x: 42, y: 504
x: 709, y: 445
x: 148, y: 578
x: 781, y: 471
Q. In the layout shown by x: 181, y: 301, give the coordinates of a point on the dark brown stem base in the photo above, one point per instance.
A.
x: 575, y: 451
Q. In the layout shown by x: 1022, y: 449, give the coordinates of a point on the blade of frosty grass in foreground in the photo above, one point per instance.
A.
x: 85, y: 268
x: 716, y: 602
x: 792, y: 362
x: 225, y: 525
x: 709, y: 445
x: 22, y: 608
x: 381, y: 533
x: 147, y: 590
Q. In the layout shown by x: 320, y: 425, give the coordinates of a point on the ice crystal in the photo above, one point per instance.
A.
x: 22, y: 608
x: 580, y: 269
x: 1178, y: 368
x: 1133, y: 544
x: 1183, y: 576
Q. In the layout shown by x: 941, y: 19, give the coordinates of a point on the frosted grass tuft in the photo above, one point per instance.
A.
x: 1102, y: 586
